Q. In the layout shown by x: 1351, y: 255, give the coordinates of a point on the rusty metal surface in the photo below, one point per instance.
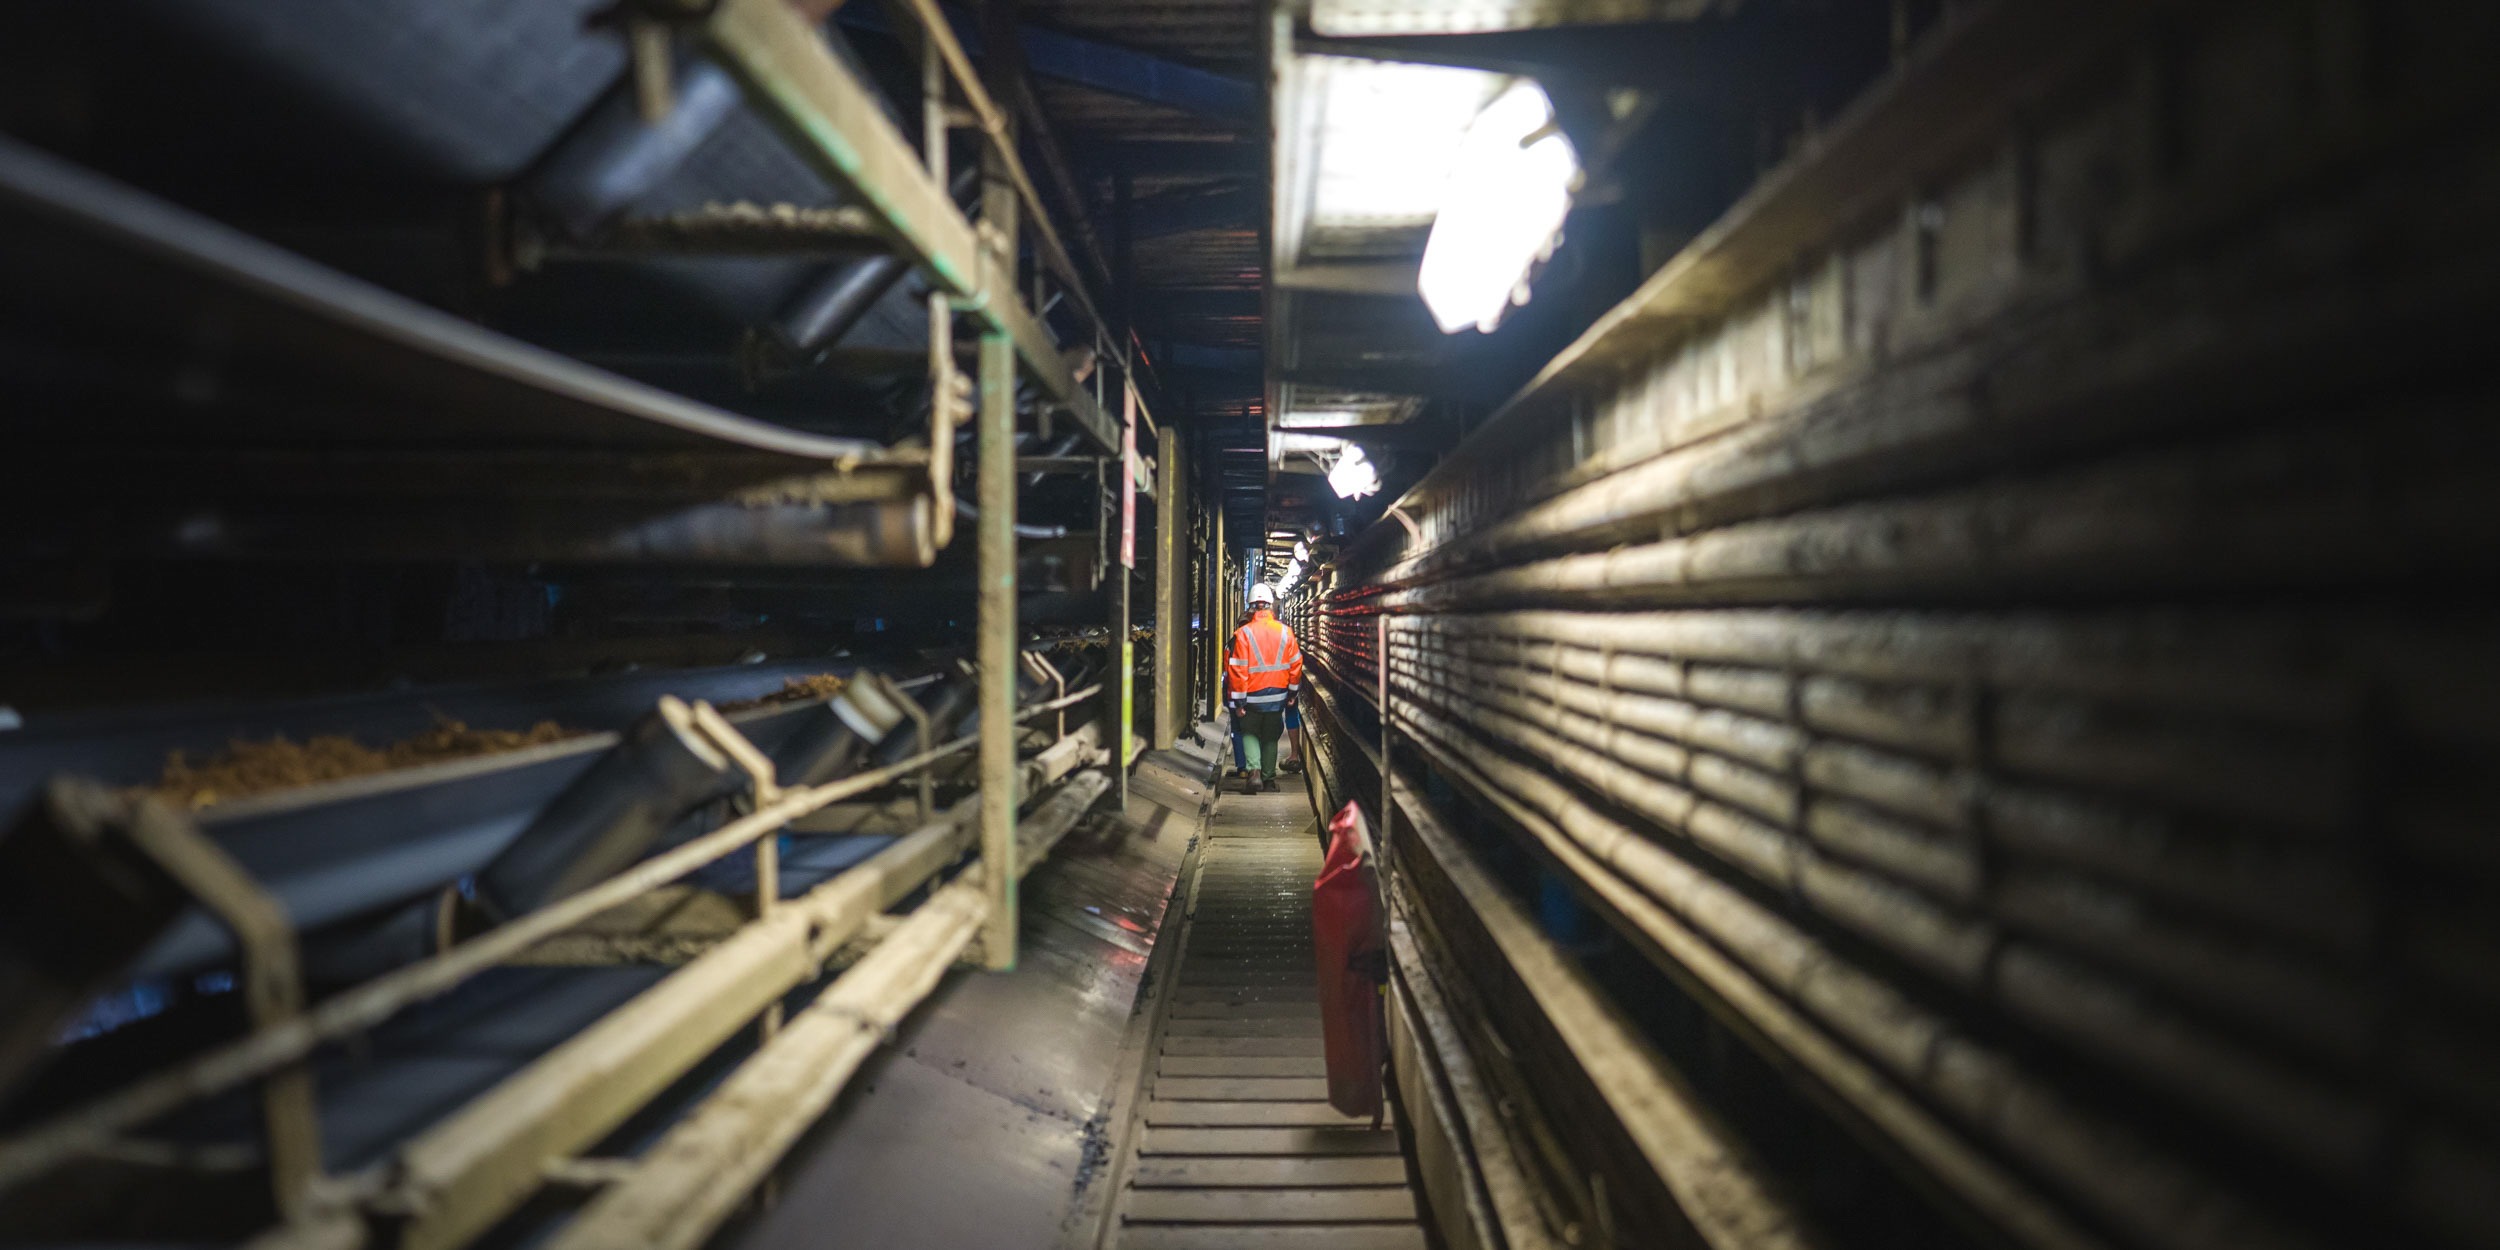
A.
x: 978, y: 1127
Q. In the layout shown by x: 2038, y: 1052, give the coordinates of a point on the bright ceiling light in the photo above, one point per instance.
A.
x: 1500, y: 210
x: 1390, y: 133
x: 1354, y: 475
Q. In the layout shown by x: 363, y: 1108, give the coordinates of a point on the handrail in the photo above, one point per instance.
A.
x: 97, y: 1124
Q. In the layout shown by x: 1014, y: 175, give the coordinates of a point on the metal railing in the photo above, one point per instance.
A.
x: 477, y: 1166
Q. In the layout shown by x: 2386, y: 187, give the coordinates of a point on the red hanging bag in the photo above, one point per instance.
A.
x: 1350, y: 943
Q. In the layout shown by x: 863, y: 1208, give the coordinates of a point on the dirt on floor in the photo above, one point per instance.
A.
x: 281, y: 763
x: 793, y: 690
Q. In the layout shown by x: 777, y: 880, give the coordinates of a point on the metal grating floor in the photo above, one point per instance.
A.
x: 1239, y: 1147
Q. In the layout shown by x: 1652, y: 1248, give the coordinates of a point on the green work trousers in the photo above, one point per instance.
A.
x: 1259, y: 732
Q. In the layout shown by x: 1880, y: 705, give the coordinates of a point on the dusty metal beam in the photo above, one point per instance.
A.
x: 328, y: 336
x: 785, y: 65
x: 96, y: 1125
x: 890, y: 534
x: 736, y: 229
x: 996, y: 648
x: 471, y: 1170
x: 684, y: 1187
x: 1169, y: 613
x: 1105, y: 67
x: 835, y: 121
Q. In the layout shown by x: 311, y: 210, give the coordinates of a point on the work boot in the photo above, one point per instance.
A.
x: 1249, y: 782
x: 1268, y: 783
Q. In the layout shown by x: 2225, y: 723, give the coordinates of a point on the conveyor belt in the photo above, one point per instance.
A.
x: 1238, y: 1146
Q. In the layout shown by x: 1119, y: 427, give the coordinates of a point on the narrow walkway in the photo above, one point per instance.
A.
x: 1240, y: 1148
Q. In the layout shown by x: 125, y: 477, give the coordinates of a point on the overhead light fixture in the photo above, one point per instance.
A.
x: 1501, y: 209
x: 1354, y: 475
x: 1389, y: 134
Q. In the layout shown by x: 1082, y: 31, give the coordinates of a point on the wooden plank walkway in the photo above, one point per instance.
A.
x: 1238, y: 1147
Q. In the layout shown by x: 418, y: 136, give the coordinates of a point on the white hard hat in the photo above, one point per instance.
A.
x: 1263, y: 593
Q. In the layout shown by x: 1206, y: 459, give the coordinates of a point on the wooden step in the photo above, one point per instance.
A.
x: 1252, y: 994
x: 1262, y: 1047
x: 1271, y: 1206
x: 1252, y: 1010
x: 1241, y: 1088
x: 1272, y: 1237
x: 1261, y: 1172
x: 1239, y: 1065
x: 1300, y: 1140
x: 1303, y: 1027
x: 1162, y: 1114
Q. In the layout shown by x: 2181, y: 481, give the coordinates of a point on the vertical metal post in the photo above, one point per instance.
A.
x: 273, y: 985
x: 1219, y: 621
x: 1387, y: 863
x: 1169, y: 616
x: 997, y: 648
x: 1120, y: 702
x: 1122, y: 709
x: 925, y: 781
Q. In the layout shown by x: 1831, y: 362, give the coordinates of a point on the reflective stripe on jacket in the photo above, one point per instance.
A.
x: 1265, y: 668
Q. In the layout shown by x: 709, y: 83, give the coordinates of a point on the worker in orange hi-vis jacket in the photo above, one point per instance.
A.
x: 1261, y: 678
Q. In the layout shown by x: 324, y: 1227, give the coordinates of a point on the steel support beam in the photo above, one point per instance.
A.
x: 1171, y: 614
x: 795, y: 80
x: 1120, y: 705
x: 1121, y: 708
x: 835, y: 121
x: 475, y: 1168
x: 1211, y: 595
x: 996, y: 449
x: 679, y: 1192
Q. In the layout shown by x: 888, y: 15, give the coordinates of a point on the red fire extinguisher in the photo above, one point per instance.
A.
x: 1350, y: 941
